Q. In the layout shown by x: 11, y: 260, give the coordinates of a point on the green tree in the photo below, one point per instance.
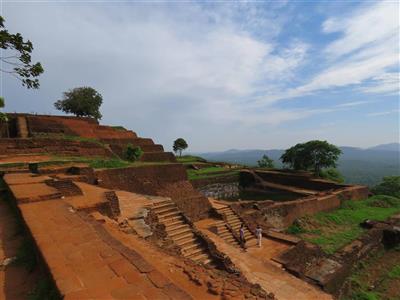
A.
x: 180, y: 145
x: 16, y: 59
x: 390, y: 186
x: 266, y: 162
x: 133, y: 153
x: 81, y: 101
x: 313, y: 155
x: 3, y: 116
x: 332, y: 174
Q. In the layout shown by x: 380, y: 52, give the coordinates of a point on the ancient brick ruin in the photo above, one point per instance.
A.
x: 148, y: 232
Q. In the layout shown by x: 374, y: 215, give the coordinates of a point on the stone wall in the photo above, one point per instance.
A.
x: 56, y: 146
x: 298, y: 180
x: 220, y: 190
x: 168, y: 180
x: 280, y: 215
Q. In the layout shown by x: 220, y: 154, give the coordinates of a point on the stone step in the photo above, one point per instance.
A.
x: 159, y: 210
x: 164, y: 203
x: 171, y: 220
x: 199, y: 257
x: 167, y: 211
x: 168, y: 215
x: 191, y: 246
x: 179, y: 232
x: 185, y: 239
x: 194, y: 252
x: 171, y: 229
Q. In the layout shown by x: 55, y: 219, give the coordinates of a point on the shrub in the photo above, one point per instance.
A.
x: 133, y: 153
x: 390, y: 186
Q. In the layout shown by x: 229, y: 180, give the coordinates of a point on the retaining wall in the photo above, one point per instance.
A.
x: 168, y: 180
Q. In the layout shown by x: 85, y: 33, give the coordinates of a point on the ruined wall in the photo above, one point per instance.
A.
x: 220, y: 190
x: 298, y: 181
x: 56, y: 146
x: 281, y: 215
x: 168, y: 180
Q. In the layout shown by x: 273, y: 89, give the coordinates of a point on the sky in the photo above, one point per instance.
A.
x: 221, y: 75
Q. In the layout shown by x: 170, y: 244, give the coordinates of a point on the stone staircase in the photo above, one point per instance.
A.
x: 233, y: 221
x: 224, y: 232
x: 180, y: 232
x: 22, y: 127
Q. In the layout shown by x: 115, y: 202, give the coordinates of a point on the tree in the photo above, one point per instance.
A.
x: 81, y: 101
x: 389, y: 186
x: 265, y: 162
x: 313, y: 155
x: 179, y: 145
x: 332, y: 174
x: 3, y: 116
x: 133, y: 153
x: 18, y: 64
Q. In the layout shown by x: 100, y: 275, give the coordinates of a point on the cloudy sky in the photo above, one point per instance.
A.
x: 221, y: 75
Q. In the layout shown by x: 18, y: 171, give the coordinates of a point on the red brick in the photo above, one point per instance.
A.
x: 158, y: 279
x: 121, y: 267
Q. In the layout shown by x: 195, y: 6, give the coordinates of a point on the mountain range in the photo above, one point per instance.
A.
x: 358, y: 166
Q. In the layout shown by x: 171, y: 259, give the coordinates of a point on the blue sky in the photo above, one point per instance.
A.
x: 220, y: 74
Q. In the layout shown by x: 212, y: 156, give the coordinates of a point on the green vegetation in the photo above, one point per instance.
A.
x: 179, y: 145
x: 333, y: 230
x: 190, y: 159
x: 265, y: 162
x: 82, y: 102
x: 390, y: 186
x: 332, y: 174
x: 3, y: 116
x: 108, y: 163
x: 394, y: 273
x: 210, y: 172
x: 378, y: 277
x: 82, y: 139
x: 133, y: 153
x: 119, y: 128
x: 313, y: 155
x: 20, y: 64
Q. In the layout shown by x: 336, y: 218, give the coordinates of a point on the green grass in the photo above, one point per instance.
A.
x: 190, y: 159
x: 395, y: 272
x: 209, y: 172
x: 119, y: 128
x: 333, y: 230
x: 108, y: 163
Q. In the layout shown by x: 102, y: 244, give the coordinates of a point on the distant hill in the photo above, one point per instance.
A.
x: 358, y: 166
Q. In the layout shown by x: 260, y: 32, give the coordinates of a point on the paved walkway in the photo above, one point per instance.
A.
x: 257, y: 267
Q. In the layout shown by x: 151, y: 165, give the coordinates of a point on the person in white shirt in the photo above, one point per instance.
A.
x: 259, y: 235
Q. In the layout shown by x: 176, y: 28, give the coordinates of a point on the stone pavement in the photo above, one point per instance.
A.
x: 257, y: 267
x: 86, y: 263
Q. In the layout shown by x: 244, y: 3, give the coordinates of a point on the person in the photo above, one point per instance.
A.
x: 242, y: 238
x: 259, y: 235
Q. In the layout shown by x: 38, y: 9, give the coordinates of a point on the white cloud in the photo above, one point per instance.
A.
x: 384, y: 113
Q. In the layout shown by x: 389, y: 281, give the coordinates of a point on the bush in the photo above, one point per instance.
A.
x: 389, y: 186
x: 133, y: 153
x: 332, y: 175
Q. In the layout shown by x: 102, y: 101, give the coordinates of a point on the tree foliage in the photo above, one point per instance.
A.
x: 16, y: 59
x: 265, y: 162
x: 313, y: 155
x: 332, y: 174
x: 180, y: 145
x: 3, y: 116
x: 133, y: 153
x: 81, y: 101
x: 390, y: 186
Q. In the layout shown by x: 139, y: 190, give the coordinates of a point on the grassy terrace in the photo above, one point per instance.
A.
x: 205, y: 172
x: 333, y: 230
x: 94, y: 162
